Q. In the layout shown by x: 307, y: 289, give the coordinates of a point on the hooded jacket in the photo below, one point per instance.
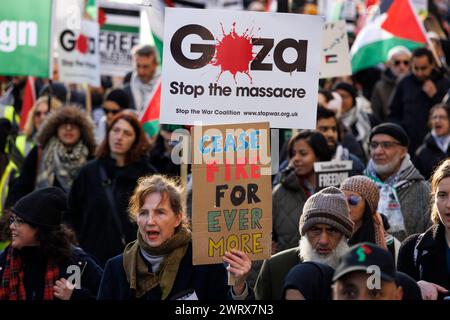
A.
x: 26, y: 181
x: 288, y: 199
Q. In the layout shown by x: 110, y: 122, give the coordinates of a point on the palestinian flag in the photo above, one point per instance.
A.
x: 150, y: 117
x: 29, y: 98
x: 399, y: 25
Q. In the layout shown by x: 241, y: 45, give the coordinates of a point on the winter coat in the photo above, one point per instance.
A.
x: 90, y: 212
x: 381, y: 94
x: 28, y: 174
x: 413, y: 193
x: 428, y: 156
x: 91, y: 273
x: 431, y: 262
x: 25, y: 183
x: 269, y: 285
x: 288, y: 199
x: 208, y: 281
x: 410, y: 106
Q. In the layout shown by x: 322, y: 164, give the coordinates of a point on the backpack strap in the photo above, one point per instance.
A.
x: 107, y: 186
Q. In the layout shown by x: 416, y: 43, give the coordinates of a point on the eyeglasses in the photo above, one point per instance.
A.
x: 383, y: 144
x: 16, y: 220
x: 106, y: 111
x: 398, y: 62
x: 439, y: 118
x: 353, y: 200
x: 40, y: 113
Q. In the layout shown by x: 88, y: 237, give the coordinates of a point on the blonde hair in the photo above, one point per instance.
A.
x: 29, y: 128
x: 441, y: 172
x: 169, y: 188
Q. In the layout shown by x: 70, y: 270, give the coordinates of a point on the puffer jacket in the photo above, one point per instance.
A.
x: 288, y: 199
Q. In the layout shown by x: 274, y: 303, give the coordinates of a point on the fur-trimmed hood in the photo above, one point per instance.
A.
x: 50, y: 126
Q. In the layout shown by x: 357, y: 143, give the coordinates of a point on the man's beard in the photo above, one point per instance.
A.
x: 308, y: 253
x: 388, y: 168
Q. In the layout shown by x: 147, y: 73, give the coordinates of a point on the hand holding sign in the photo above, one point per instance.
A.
x: 239, y: 267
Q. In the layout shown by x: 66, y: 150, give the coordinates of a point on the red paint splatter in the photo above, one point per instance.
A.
x: 101, y: 17
x: 234, y: 53
x: 82, y: 44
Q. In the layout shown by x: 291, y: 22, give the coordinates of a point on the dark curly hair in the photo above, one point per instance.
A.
x: 55, y: 242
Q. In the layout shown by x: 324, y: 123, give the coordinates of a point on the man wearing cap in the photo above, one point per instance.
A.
x: 366, y: 272
x: 404, y: 193
x: 325, y: 226
x: 41, y: 263
x: 397, y: 66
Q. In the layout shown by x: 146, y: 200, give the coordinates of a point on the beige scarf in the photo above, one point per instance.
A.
x: 136, y: 269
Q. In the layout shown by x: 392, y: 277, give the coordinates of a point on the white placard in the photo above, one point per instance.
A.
x: 240, y: 67
x: 78, y: 52
x: 332, y: 173
x: 119, y: 33
x: 335, y: 52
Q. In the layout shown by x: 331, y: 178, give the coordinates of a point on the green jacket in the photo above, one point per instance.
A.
x: 269, y: 284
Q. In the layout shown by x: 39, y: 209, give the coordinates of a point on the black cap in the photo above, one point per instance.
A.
x: 393, y: 130
x: 42, y: 207
x: 364, y: 255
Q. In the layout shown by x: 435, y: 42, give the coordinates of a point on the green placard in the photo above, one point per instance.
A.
x: 25, y: 37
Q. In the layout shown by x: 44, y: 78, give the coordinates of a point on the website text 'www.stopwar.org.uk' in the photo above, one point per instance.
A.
x: 236, y: 112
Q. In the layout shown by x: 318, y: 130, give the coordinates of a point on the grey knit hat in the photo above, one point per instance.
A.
x: 365, y: 187
x: 327, y: 206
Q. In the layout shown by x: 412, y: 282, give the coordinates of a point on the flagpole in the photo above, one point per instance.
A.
x: 88, y: 100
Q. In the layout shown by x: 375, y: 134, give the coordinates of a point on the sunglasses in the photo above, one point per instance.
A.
x: 114, y: 112
x: 40, y: 113
x: 398, y: 62
x: 354, y: 200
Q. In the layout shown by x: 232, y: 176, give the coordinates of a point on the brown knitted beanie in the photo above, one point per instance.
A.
x: 365, y: 187
x: 327, y: 206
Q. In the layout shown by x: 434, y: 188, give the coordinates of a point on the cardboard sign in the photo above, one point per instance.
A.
x: 77, y: 43
x: 231, y: 192
x: 335, y: 51
x: 25, y: 38
x: 240, y: 67
x: 332, y: 173
x: 119, y: 33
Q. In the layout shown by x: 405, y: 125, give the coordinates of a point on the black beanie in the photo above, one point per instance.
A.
x: 347, y: 87
x: 42, y: 207
x: 120, y: 97
x: 393, y: 130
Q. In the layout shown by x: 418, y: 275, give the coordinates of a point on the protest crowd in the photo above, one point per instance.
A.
x: 93, y: 204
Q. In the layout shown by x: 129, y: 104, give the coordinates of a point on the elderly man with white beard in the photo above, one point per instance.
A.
x: 404, y: 192
x: 325, y: 227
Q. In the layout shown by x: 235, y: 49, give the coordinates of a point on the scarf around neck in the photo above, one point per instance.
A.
x: 442, y: 142
x: 12, y: 286
x: 57, y: 162
x: 138, y: 275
